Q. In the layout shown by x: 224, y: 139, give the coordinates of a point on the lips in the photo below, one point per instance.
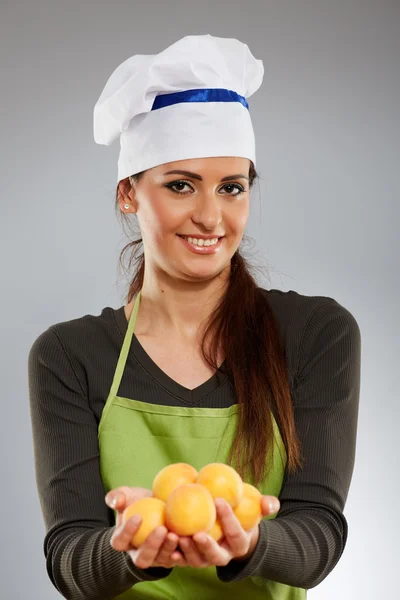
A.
x: 208, y: 249
x: 200, y: 237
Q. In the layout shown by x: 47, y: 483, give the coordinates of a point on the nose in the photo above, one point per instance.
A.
x: 207, y: 212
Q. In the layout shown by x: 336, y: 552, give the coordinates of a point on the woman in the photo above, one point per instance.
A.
x: 201, y: 365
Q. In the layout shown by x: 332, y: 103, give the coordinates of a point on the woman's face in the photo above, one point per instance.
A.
x: 210, y: 200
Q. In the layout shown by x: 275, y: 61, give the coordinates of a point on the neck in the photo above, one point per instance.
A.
x: 176, y: 308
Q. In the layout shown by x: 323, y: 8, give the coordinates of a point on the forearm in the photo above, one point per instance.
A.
x: 299, y: 549
x: 83, y: 566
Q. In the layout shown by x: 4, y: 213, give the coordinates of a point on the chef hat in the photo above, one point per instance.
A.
x: 188, y: 101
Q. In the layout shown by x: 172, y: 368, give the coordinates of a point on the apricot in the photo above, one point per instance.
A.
x: 216, y: 531
x: 152, y: 511
x: 190, y: 509
x: 222, y: 481
x: 171, y: 477
x: 248, y: 511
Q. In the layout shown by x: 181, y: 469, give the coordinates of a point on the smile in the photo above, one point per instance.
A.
x: 201, y: 246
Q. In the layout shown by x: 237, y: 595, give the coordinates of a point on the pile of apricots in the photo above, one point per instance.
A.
x: 183, y: 501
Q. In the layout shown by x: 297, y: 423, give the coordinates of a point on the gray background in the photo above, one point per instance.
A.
x: 324, y: 218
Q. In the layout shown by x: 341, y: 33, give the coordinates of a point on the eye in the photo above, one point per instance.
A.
x: 178, y: 186
x: 173, y: 184
x: 234, y: 186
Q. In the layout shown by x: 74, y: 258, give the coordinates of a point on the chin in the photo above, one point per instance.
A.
x: 204, y: 274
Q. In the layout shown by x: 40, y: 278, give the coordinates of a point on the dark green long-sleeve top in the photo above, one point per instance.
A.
x: 71, y: 366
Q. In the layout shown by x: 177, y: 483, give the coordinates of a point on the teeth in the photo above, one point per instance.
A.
x: 201, y: 242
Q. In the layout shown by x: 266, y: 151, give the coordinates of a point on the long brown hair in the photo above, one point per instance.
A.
x: 244, y: 327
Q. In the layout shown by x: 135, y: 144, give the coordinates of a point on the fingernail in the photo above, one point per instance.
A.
x: 273, y: 507
x: 114, y: 501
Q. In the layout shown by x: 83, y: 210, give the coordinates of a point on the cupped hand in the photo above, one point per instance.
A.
x: 202, y: 551
x: 159, y: 549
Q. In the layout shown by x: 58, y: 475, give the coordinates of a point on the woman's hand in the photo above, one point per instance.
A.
x: 199, y: 551
x: 202, y: 551
x: 159, y: 549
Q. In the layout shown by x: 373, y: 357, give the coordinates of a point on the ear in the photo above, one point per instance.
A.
x: 126, y: 195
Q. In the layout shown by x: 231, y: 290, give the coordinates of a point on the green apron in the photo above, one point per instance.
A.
x: 137, y: 439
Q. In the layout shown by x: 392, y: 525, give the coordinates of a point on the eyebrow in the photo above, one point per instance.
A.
x: 196, y: 176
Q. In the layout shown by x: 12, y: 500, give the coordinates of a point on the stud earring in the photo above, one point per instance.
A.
x: 126, y: 206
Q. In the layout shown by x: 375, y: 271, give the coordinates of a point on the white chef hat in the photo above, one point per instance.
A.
x: 188, y: 101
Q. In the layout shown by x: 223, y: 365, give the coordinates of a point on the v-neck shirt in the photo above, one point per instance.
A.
x: 187, y: 396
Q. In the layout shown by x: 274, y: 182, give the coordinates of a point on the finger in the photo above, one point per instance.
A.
x: 213, y: 553
x: 167, y: 549
x: 121, y: 538
x: 178, y: 560
x: 147, y: 553
x: 178, y: 557
x: 235, y: 536
x: 115, y: 500
x: 270, y: 505
x: 118, y: 498
x: 191, y: 554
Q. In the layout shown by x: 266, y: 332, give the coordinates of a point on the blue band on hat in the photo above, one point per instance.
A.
x: 204, y: 95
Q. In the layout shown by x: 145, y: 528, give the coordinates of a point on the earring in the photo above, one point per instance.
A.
x: 126, y: 206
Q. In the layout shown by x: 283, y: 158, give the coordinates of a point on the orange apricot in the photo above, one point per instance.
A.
x: 190, y: 509
x: 222, y: 481
x: 152, y: 512
x: 216, y: 531
x: 170, y: 477
x: 248, y: 511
